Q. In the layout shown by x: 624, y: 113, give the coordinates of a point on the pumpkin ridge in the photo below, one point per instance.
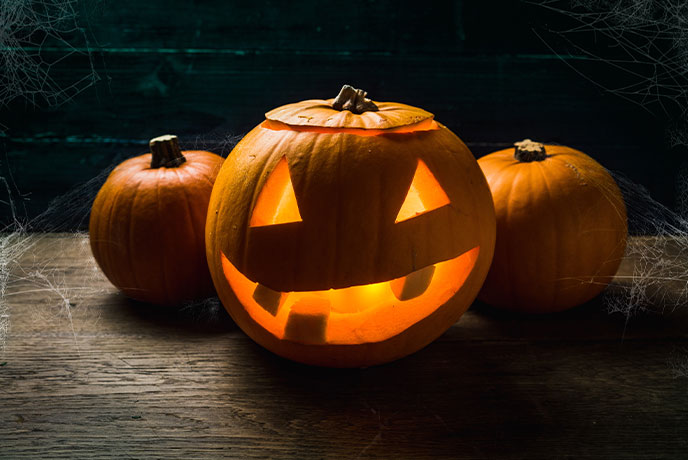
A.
x: 206, y: 173
x: 95, y: 247
x: 111, y: 201
x: 510, y: 196
x: 576, y: 165
x: 543, y: 173
x: 193, y: 234
x: 132, y: 205
x: 163, y: 261
x: 338, y: 219
x: 379, y: 234
x: 118, y: 195
x: 199, y: 168
x: 199, y: 224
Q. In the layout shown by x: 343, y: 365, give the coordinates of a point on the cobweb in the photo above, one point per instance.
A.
x: 656, y: 257
x: 678, y: 363
x: 643, y: 44
x: 35, y: 37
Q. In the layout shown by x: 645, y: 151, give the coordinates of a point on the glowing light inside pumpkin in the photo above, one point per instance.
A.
x: 356, y: 314
x: 425, y: 194
x: 424, y: 125
x: 276, y: 203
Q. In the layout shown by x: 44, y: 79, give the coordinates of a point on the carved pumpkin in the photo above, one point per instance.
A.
x: 561, y: 228
x: 147, y: 224
x: 349, y: 233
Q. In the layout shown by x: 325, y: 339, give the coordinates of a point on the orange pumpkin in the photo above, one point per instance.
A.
x: 561, y: 228
x: 349, y: 233
x: 147, y: 224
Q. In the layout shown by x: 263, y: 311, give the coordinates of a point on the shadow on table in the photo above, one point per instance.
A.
x: 206, y: 316
x: 590, y: 321
x: 505, y: 385
x: 454, y: 400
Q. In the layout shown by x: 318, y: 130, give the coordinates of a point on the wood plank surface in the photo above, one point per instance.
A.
x: 119, y: 379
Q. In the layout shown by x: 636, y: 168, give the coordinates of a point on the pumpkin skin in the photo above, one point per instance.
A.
x: 561, y: 228
x: 147, y: 226
x: 350, y: 174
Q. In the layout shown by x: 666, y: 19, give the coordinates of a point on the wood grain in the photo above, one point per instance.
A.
x: 132, y: 381
x: 204, y: 70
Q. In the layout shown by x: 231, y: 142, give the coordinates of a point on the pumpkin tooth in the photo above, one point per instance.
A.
x: 412, y: 285
x: 307, y: 321
x: 268, y: 299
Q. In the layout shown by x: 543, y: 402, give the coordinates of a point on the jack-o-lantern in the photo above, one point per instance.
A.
x: 348, y: 233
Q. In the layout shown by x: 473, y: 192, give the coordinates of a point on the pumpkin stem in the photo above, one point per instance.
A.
x: 353, y: 100
x: 166, y: 152
x: 526, y: 151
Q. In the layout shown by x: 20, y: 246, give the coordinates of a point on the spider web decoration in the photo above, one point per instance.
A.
x: 658, y: 281
x: 23, y: 269
x: 645, y: 44
x: 35, y: 36
x: 678, y: 363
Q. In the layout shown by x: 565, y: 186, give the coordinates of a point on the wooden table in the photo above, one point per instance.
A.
x: 122, y: 379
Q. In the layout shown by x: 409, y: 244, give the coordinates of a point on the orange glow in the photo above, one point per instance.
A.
x: 357, y: 314
x: 425, y: 194
x: 425, y: 125
x: 276, y: 203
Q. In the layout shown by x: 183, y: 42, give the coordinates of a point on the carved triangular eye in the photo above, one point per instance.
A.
x: 276, y: 203
x: 425, y: 194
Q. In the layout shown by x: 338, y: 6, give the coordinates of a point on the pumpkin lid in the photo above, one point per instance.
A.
x: 321, y: 113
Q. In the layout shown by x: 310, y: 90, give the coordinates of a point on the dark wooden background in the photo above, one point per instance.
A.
x: 209, y: 69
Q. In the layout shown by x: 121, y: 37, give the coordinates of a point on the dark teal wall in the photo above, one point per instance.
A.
x: 208, y: 68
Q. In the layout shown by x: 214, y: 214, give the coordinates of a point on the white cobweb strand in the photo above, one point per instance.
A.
x: 35, y: 36
x: 25, y: 270
x: 658, y: 257
x: 648, y: 47
x: 678, y: 363
x: 8, y: 254
x: 14, y: 247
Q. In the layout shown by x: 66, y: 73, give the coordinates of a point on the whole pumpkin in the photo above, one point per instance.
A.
x: 349, y: 233
x: 147, y: 225
x: 561, y: 228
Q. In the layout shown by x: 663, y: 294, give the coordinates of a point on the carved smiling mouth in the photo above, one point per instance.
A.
x: 356, y: 314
